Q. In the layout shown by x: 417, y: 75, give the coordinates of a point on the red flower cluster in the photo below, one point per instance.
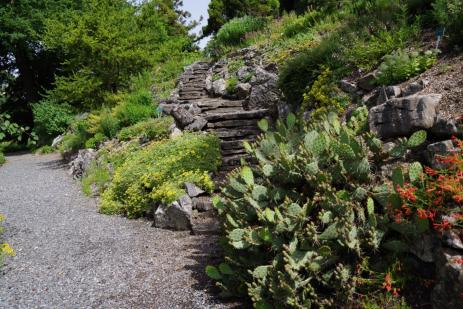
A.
x: 438, y: 191
x: 387, y: 285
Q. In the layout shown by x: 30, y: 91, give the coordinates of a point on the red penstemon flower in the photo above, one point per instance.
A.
x: 407, y: 192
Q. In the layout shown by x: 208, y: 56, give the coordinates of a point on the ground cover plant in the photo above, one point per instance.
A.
x: 156, y: 174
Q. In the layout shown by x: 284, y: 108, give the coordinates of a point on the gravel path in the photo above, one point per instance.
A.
x: 69, y: 256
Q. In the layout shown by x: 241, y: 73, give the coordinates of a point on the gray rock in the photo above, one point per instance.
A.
x: 414, y: 88
x: 371, y: 98
x: 367, y: 82
x: 425, y: 247
x: 262, y: 76
x: 387, y: 93
x: 175, y: 216
x: 403, y: 116
x: 444, y: 128
x: 264, y: 96
x: 347, y: 86
x: 447, y: 292
x: 82, y: 162
x: 243, y: 90
x: 176, y: 132
x: 197, y: 125
x: 192, y: 190
x: 203, y: 203
x: 182, y: 116
x: 219, y: 87
x: 433, y: 151
x: 57, y: 140
x: 453, y: 239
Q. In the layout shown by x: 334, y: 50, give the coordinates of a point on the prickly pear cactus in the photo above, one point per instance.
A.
x: 299, y: 224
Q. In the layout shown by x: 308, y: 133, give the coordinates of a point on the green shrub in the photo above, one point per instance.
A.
x: 324, y: 96
x: 72, y: 142
x: 94, y: 141
x: 302, y: 70
x: 233, y: 34
x: 2, y: 158
x: 45, y: 150
x: 231, y: 85
x: 103, y: 122
x: 403, y: 65
x: 156, y: 174
x: 129, y: 113
x: 449, y: 14
x: 303, y: 226
x: 151, y: 129
x: 51, y: 119
x: 294, y: 25
x: 109, y: 157
x: 96, y: 175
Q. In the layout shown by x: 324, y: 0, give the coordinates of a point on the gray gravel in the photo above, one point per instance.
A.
x: 69, y: 256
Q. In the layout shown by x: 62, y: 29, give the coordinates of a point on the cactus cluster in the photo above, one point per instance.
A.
x: 304, y: 222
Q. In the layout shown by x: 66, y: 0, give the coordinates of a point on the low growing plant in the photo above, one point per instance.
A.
x: 151, y: 129
x: 323, y: 96
x: 403, y: 65
x: 2, y: 158
x: 156, y: 174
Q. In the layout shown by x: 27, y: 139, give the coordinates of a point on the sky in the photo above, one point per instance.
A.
x: 197, y: 8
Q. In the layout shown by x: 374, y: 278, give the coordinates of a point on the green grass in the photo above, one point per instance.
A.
x: 2, y: 158
x: 96, y: 175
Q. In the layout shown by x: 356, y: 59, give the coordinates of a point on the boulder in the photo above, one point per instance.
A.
x: 197, y: 125
x: 82, y: 162
x: 264, y: 96
x: 182, y: 116
x: 404, y: 116
x: 438, y: 149
x: 444, y: 128
x: 414, y: 88
x: 425, y: 246
x: 262, y: 76
x: 203, y: 203
x: 367, y: 82
x: 243, y: 90
x: 219, y: 87
x: 449, y: 288
x: 371, y: 98
x: 192, y: 190
x: 176, y: 216
x: 347, y: 86
x: 387, y: 93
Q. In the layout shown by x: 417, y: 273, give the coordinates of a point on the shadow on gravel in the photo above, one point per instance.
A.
x: 54, y: 164
x: 205, y: 251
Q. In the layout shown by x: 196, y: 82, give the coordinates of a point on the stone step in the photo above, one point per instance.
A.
x: 211, y: 105
x: 234, y: 160
x: 191, y: 93
x: 254, y: 114
x: 232, y: 123
x: 241, y: 132
x: 224, y: 110
x: 241, y: 151
x: 189, y: 97
x: 191, y: 88
x: 231, y: 144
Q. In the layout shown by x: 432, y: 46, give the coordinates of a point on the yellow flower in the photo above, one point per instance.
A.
x: 7, y: 250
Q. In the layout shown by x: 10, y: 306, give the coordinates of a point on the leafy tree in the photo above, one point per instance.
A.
x: 107, y: 42
x: 221, y: 11
x: 26, y: 66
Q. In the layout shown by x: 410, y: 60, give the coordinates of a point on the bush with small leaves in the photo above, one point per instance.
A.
x: 156, y: 174
x: 151, y: 129
x: 403, y: 65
